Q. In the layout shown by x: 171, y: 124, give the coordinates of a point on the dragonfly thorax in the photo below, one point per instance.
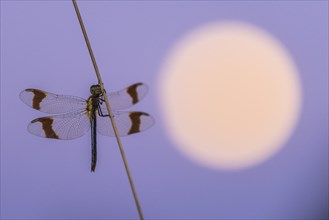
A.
x: 92, y: 103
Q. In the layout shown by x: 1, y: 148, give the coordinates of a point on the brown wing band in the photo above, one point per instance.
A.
x: 37, y: 98
x: 135, y: 118
x: 47, y: 123
x: 132, y: 91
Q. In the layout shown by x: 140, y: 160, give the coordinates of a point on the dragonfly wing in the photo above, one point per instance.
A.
x: 66, y: 126
x: 51, y: 103
x: 126, y: 122
x: 127, y: 97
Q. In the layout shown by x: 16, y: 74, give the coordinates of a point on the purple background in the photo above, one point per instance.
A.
x: 42, y: 47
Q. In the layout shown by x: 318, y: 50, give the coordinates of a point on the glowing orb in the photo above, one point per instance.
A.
x: 230, y: 95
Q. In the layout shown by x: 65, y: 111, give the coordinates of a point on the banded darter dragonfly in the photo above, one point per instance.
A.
x: 75, y: 116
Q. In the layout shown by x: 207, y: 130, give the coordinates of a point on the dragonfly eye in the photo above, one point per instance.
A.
x: 95, y: 90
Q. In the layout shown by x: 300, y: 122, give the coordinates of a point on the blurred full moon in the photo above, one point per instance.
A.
x: 230, y: 95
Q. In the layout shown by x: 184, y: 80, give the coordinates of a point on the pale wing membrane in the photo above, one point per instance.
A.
x: 51, y: 103
x: 126, y: 122
x: 66, y: 126
x: 126, y: 98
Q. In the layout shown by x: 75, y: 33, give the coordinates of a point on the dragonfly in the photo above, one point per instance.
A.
x: 73, y: 116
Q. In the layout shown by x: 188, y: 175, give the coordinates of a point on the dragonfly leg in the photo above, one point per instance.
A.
x: 100, y: 113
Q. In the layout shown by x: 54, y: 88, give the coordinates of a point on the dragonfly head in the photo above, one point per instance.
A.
x: 95, y: 90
